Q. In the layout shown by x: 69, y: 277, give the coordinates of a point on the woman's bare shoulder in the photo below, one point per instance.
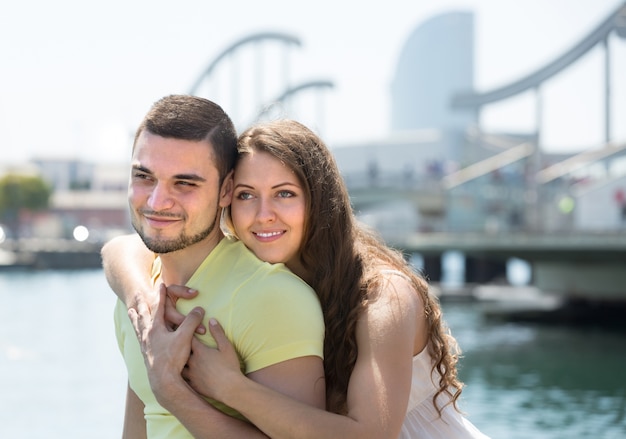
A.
x: 398, y: 309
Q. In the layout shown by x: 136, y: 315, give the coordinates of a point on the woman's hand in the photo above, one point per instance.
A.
x: 172, y: 317
x: 165, y: 351
x: 209, y: 371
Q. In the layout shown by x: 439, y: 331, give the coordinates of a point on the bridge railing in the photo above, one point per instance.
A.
x: 497, y: 195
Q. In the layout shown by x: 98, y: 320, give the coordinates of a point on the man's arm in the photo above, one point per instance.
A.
x: 134, y: 422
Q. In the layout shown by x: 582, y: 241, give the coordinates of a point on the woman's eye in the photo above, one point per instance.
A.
x: 285, y: 194
x: 244, y: 196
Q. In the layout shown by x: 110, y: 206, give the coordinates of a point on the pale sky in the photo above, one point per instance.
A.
x: 78, y: 76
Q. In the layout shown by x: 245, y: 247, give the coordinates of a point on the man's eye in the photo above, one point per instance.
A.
x: 186, y: 183
x: 141, y: 176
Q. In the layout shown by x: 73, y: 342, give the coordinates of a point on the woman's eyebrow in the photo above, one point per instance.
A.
x: 286, y: 183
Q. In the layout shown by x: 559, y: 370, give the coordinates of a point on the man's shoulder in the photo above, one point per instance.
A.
x: 244, y: 259
x: 277, y: 274
x: 259, y: 274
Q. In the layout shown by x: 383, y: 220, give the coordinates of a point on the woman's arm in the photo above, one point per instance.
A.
x: 127, y: 264
x: 203, y: 420
x: 388, y: 336
x: 166, y: 354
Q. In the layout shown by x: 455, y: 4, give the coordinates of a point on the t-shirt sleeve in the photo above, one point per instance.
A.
x: 283, y: 320
x: 118, y: 315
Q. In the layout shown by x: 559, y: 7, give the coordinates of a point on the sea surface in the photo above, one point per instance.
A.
x: 61, y: 375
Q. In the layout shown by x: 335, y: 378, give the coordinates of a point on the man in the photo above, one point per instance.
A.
x: 183, y: 155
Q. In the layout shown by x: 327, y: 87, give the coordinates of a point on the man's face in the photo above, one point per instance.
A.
x: 174, y: 192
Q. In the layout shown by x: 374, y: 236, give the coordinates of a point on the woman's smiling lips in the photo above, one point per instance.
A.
x: 269, y: 236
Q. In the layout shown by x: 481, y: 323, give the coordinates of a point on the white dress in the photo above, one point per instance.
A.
x: 422, y: 420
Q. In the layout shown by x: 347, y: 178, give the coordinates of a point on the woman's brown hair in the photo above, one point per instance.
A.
x: 345, y: 260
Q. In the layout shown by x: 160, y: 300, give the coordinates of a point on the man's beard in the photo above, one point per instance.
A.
x: 161, y: 246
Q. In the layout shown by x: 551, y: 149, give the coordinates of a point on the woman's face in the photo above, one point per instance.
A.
x: 268, y: 208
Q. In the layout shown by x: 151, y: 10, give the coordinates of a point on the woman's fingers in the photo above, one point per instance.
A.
x: 172, y: 316
x: 218, y: 334
x: 191, y: 322
x: 181, y: 292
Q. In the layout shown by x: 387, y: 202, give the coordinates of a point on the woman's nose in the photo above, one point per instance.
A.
x: 266, y: 211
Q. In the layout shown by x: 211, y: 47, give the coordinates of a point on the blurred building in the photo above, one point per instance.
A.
x: 84, y: 194
x: 427, y: 138
x: 436, y: 62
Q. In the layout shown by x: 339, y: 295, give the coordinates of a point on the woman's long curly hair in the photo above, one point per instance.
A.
x: 345, y: 260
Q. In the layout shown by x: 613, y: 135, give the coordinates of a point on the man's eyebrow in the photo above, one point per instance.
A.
x: 142, y: 169
x: 190, y: 177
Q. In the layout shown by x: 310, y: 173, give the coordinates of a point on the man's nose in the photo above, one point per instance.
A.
x: 160, y: 198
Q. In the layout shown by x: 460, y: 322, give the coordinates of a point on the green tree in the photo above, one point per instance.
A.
x: 20, y: 193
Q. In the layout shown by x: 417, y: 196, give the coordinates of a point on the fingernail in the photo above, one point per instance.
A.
x: 192, y: 291
x: 212, y: 321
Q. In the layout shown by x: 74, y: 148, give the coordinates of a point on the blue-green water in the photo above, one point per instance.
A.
x: 530, y: 381
x: 61, y: 375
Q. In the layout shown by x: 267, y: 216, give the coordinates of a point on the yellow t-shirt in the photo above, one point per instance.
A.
x: 268, y: 313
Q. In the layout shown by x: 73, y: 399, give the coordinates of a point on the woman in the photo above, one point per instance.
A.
x: 390, y: 363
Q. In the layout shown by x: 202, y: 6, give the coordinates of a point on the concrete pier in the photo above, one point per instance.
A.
x: 49, y: 254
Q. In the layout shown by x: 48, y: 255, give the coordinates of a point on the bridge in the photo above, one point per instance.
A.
x: 565, y: 215
x: 268, y: 90
x: 615, y: 23
x: 590, y: 265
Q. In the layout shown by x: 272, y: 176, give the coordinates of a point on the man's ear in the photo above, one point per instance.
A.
x: 226, y: 191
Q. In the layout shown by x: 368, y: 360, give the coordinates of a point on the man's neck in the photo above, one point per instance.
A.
x: 178, y: 267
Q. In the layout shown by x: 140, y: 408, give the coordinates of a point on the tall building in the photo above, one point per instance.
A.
x: 427, y: 137
x: 436, y: 62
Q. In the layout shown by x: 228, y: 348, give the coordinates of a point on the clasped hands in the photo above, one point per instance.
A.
x: 174, y: 357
